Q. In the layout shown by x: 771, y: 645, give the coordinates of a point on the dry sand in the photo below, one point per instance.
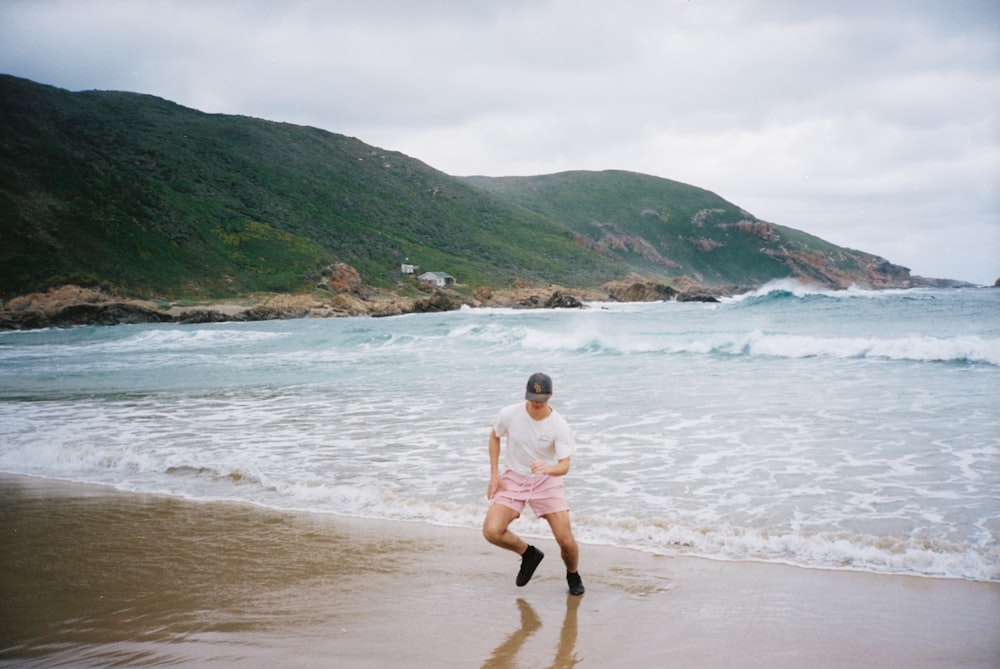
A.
x: 93, y: 577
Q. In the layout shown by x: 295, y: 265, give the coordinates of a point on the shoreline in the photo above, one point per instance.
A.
x: 95, y: 576
x: 71, y: 305
x: 530, y: 532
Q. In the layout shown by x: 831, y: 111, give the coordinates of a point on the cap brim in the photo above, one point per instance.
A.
x: 537, y: 397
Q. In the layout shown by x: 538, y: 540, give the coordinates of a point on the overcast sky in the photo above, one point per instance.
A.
x: 874, y: 125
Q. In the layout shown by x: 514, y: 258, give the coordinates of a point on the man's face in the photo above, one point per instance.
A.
x: 537, y: 406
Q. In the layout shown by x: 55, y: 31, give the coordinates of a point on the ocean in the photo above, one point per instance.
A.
x: 849, y: 429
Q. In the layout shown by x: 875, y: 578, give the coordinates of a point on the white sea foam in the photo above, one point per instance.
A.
x: 971, y: 349
x: 967, y: 349
x: 798, y: 289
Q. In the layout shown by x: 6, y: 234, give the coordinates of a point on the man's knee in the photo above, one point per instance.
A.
x: 495, y: 525
x: 566, y: 540
x: 563, y: 534
x: 490, y: 532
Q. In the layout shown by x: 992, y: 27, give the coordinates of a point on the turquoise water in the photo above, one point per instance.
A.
x: 853, y: 429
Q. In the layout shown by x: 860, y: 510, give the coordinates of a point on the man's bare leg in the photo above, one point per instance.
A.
x: 495, y: 528
x: 563, y: 532
x: 496, y: 531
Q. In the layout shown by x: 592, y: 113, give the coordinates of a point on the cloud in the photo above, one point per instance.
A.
x: 872, y: 125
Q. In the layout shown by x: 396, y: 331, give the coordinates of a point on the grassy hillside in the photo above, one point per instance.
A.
x: 143, y: 195
x: 691, y: 231
x: 156, y: 198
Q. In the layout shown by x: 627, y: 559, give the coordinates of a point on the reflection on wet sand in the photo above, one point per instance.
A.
x: 505, y: 655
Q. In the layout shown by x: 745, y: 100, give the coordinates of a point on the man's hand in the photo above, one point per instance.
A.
x: 496, y: 485
x: 558, y: 469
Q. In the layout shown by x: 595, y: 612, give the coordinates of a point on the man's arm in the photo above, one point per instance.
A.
x: 561, y: 468
x: 495, y: 481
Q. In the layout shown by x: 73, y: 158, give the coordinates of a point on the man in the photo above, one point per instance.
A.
x: 536, y: 457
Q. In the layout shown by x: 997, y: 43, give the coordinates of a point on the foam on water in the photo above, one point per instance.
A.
x: 971, y: 349
x: 816, y: 429
x: 790, y: 288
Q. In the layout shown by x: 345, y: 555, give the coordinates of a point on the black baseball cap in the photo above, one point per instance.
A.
x: 539, y: 388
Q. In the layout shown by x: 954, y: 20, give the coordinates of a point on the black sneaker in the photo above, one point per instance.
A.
x: 529, y: 561
x: 575, y: 583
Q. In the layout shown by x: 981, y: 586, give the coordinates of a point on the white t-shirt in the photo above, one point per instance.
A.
x: 548, y: 440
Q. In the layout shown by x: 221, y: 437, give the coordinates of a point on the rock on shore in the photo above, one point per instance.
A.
x: 70, y: 305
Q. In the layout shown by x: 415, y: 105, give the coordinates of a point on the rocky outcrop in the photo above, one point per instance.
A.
x: 682, y: 289
x: 557, y: 300
x: 266, y: 313
x: 267, y: 308
x: 561, y: 300
x: 704, y: 244
x: 112, y: 313
x: 818, y: 267
x: 613, y: 239
x: 202, y: 316
x: 439, y: 300
x: 639, y: 291
x: 759, y: 229
x: 697, y: 297
x: 342, y: 278
x: 71, y: 305
x: 705, y: 215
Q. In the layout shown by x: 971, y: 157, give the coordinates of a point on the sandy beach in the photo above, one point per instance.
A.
x: 94, y: 577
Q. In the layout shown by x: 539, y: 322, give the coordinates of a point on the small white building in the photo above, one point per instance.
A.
x: 407, y: 268
x: 439, y: 279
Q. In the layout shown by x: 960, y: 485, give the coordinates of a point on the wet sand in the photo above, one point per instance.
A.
x: 93, y: 577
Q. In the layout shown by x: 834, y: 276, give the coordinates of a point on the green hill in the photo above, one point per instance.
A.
x: 664, y: 228
x: 151, y: 198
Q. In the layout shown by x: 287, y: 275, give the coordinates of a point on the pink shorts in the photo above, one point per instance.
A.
x: 544, y: 493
